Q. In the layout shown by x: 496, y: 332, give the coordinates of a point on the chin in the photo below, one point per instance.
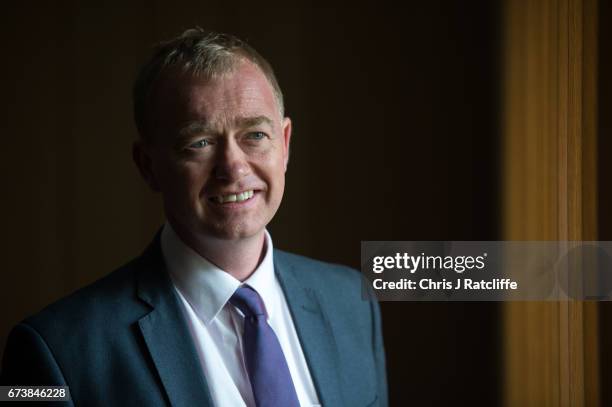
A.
x: 237, y: 232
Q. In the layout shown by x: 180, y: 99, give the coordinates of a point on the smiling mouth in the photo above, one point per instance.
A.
x: 241, y: 197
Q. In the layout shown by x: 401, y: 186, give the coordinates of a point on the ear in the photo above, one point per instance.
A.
x: 286, y: 139
x: 142, y: 158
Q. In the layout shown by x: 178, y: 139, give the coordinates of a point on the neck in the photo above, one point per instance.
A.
x: 239, y: 257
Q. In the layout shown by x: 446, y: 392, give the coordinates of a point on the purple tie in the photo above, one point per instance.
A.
x: 265, y: 362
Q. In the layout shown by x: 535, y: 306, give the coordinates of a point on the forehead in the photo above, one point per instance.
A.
x: 242, y: 92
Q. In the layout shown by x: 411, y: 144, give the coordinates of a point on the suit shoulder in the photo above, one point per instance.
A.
x: 340, y: 290
x: 331, y: 274
x: 88, y: 303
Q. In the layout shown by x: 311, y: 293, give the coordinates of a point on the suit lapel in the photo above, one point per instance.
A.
x: 167, y: 336
x: 314, y: 332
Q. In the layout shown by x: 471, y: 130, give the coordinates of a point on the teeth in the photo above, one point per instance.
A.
x: 243, y: 196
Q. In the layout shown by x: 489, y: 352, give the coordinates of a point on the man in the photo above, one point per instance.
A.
x: 210, y: 314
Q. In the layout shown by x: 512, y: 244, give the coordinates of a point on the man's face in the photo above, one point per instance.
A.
x: 219, y: 153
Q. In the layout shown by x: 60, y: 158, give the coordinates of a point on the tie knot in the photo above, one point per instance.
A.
x: 247, y: 300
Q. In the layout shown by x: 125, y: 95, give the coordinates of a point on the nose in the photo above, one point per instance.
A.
x: 231, y: 162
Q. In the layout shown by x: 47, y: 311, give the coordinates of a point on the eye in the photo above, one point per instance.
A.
x: 199, y: 144
x: 256, y: 135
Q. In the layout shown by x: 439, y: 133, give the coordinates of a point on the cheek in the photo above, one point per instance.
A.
x: 274, y: 161
x: 182, y: 179
x: 194, y: 178
x: 275, y: 170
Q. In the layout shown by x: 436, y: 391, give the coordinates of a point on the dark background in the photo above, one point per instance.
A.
x: 396, y: 137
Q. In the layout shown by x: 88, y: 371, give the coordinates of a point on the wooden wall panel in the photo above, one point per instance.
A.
x: 549, y: 177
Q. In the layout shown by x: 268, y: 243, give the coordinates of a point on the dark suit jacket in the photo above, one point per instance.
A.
x: 124, y: 341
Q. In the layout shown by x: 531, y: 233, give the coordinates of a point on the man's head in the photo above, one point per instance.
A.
x: 204, y: 54
x: 213, y: 139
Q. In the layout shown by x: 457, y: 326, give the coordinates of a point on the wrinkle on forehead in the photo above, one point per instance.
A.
x: 170, y: 97
x: 246, y: 93
x: 243, y: 75
x: 219, y: 104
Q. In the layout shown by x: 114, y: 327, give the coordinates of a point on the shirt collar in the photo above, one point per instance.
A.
x: 263, y: 279
x: 208, y: 288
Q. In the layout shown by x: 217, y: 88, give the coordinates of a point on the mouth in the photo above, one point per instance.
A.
x: 233, y: 198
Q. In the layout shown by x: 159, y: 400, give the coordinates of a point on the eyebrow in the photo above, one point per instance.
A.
x: 198, y: 127
x: 253, y: 121
x: 195, y: 127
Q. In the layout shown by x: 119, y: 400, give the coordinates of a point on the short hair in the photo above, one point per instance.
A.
x: 201, y: 53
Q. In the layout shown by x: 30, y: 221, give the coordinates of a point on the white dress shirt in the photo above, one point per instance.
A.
x: 216, y: 326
